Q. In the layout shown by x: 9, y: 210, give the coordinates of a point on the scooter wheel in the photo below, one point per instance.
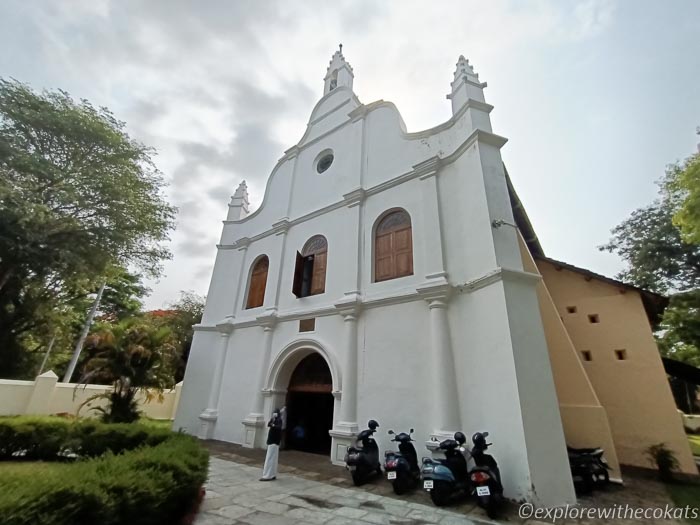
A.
x: 490, y: 505
x: 601, y: 477
x: 440, y: 495
x: 587, y: 484
x: 356, y: 478
x: 400, y: 486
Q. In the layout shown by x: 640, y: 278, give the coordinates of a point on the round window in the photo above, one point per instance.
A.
x: 324, y: 162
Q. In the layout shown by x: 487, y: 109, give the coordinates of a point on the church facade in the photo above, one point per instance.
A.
x: 394, y: 276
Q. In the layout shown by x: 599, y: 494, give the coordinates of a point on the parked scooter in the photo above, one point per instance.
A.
x: 363, y: 463
x: 589, y: 469
x: 402, y: 467
x: 485, y: 476
x: 446, y: 478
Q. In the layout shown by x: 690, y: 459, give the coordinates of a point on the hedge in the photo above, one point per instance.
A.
x: 53, y: 438
x: 156, y: 483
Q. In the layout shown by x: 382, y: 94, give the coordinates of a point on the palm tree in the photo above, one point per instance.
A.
x: 134, y: 356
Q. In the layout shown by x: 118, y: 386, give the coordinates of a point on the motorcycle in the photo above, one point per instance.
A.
x: 485, y: 476
x: 589, y: 469
x: 363, y: 463
x: 446, y: 478
x: 402, y: 467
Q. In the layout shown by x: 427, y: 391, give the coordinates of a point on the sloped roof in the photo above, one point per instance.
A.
x: 654, y: 303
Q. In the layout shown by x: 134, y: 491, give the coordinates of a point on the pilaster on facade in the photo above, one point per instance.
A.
x: 427, y: 168
x: 254, y: 421
x: 445, y: 399
x: 435, y: 290
x: 281, y: 226
x: 290, y: 153
x: 241, y: 244
x: 210, y: 414
x: 354, y: 197
x: 346, y: 428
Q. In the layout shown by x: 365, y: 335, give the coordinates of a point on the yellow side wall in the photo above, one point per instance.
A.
x: 634, y: 392
x: 584, y: 420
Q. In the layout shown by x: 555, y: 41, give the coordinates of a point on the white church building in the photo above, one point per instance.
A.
x: 381, y: 277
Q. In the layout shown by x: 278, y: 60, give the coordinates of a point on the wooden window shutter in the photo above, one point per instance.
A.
x: 258, y: 282
x: 298, y: 275
x: 318, y: 275
x: 384, y: 267
x: 403, y: 252
x: 315, y: 253
x: 393, y: 246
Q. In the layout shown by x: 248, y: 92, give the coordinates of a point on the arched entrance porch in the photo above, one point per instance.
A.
x: 306, y: 378
x: 310, y: 406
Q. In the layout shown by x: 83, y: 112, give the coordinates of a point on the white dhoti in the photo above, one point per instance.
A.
x: 270, y: 467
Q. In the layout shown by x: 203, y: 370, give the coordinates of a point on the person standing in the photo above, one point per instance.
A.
x: 283, y: 415
x: 274, y: 436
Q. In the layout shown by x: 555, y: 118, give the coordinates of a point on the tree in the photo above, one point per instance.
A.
x: 78, y: 196
x: 134, y: 356
x: 657, y: 257
x: 684, y: 180
x: 122, y: 295
x: 187, y: 312
x: 660, y: 258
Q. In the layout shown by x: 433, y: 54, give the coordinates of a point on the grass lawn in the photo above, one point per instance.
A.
x: 694, y: 441
x: 684, y: 494
x: 157, y: 423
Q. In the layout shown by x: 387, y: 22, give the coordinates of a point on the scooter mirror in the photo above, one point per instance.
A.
x: 485, y: 434
x: 411, y: 431
x: 391, y: 432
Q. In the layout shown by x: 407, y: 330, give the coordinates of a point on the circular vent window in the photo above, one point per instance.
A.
x: 324, y: 162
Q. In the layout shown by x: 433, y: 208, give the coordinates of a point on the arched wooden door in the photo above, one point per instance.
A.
x: 310, y: 406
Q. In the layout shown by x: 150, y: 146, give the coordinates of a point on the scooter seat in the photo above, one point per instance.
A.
x: 584, y: 451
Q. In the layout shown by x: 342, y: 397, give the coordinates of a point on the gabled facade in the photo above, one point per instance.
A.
x: 384, y: 276
x: 427, y: 318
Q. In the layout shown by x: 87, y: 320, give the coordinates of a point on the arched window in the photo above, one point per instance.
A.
x: 310, y: 271
x: 393, y: 247
x: 258, y: 281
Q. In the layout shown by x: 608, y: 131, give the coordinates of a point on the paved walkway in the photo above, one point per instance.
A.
x: 235, y: 496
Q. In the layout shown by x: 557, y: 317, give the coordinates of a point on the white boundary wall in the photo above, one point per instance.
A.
x: 45, y: 395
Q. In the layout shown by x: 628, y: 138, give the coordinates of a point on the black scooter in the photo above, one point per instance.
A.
x: 589, y: 469
x: 402, y: 467
x: 446, y: 478
x: 363, y: 463
x: 485, y: 476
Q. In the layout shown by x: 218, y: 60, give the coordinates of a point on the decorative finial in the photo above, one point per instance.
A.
x: 341, y: 48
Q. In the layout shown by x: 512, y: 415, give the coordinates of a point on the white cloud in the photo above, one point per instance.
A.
x: 222, y: 88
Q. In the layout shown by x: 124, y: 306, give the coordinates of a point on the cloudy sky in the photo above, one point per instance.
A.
x: 596, y: 97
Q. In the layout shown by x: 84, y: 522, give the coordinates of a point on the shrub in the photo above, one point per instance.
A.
x: 50, y: 439
x: 143, y: 476
x: 38, y: 438
x: 664, y: 459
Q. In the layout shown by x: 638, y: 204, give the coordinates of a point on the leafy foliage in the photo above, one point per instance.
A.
x: 134, y: 356
x: 657, y: 257
x: 186, y: 312
x: 684, y: 180
x: 664, y: 459
x: 660, y: 258
x: 78, y: 197
x: 151, y: 484
x: 51, y: 438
